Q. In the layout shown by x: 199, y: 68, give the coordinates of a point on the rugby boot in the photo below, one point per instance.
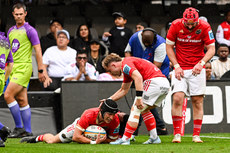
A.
x: 4, y: 133
x: 30, y: 139
x: 153, y: 141
x: 17, y: 133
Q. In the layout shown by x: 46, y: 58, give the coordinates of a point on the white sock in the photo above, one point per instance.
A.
x: 125, y: 138
x: 153, y: 133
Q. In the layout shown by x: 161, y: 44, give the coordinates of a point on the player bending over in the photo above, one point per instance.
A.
x: 151, y: 89
x: 105, y: 116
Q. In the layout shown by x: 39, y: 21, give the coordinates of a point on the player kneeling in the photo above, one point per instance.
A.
x: 105, y: 116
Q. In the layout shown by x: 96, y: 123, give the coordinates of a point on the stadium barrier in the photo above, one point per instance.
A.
x: 51, y: 112
x: 78, y: 96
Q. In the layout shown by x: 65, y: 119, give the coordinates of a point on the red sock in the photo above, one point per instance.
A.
x: 149, y: 120
x: 197, y: 127
x: 177, y: 121
x: 40, y: 138
x: 129, y: 130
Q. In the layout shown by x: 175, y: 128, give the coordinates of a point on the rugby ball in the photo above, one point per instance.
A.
x: 92, y: 131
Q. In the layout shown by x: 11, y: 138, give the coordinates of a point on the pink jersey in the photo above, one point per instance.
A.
x: 190, y: 45
x: 89, y: 117
x: 147, y: 69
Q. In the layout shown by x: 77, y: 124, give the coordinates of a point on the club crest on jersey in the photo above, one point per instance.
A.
x: 211, y: 36
x: 126, y: 69
x: 198, y: 31
x: 181, y: 31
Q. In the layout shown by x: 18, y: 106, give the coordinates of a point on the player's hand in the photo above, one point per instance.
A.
x: 179, y: 73
x: 101, y: 102
x: 99, y: 139
x: 197, y: 69
x: 139, y: 104
x: 107, y: 34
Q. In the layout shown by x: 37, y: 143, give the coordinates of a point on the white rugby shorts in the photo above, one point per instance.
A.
x: 191, y: 85
x: 155, y: 91
x: 66, y: 134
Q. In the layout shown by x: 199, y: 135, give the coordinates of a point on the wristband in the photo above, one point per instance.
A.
x: 176, y: 66
x: 139, y: 93
x: 92, y: 142
x: 202, y: 63
x: 138, y: 97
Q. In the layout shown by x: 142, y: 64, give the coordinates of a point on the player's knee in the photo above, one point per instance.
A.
x: 178, y: 99
x: 7, y: 97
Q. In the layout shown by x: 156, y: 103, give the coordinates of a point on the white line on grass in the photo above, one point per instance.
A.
x: 212, y: 137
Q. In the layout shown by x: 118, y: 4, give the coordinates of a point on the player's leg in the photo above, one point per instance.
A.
x: 131, y: 125
x: 25, y: 111
x: 12, y: 90
x: 197, y: 87
x: 197, y: 103
x: 179, y: 90
x: 154, y: 94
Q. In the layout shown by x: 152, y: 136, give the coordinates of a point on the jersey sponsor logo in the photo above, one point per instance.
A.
x: 225, y: 29
x: 211, y: 35
x: 15, y: 45
x: 126, y: 69
x: 198, y: 31
x: 189, y: 40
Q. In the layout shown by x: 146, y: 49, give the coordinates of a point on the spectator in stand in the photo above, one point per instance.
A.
x: 82, y: 42
x: 118, y: 36
x: 208, y: 68
x: 223, y: 31
x: 95, y: 57
x: 140, y: 26
x: 222, y: 64
x: 56, y: 58
x: 80, y: 70
x: 51, y: 38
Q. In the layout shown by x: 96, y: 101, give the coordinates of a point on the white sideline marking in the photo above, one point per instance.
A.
x: 212, y: 137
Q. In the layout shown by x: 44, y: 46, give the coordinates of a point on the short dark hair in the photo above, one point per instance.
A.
x: 222, y: 45
x: 18, y: 6
x: 81, y: 52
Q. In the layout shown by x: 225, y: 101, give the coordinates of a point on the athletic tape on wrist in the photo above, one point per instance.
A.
x: 92, y: 142
x: 138, y: 97
x: 176, y: 66
x: 202, y: 63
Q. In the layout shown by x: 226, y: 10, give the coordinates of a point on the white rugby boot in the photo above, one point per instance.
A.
x: 196, y: 138
x: 153, y: 141
x: 177, y: 138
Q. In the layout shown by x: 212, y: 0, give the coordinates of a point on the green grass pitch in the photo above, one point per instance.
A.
x: 214, y: 142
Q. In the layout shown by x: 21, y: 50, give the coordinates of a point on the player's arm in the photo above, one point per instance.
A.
x: 121, y: 92
x: 8, y: 70
x: 80, y: 138
x: 38, y: 50
x: 210, y: 52
x: 138, y: 81
x: 172, y: 57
